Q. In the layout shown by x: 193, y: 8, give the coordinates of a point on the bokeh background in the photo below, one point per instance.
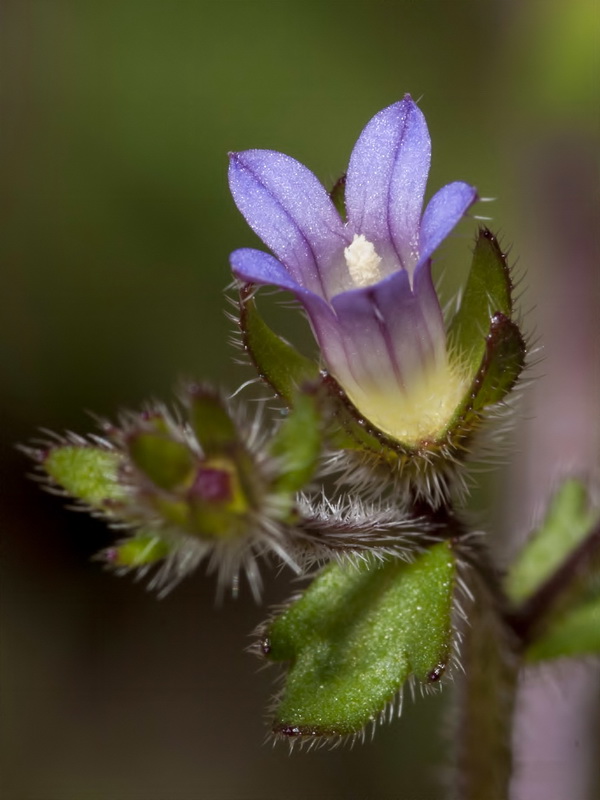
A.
x: 116, y: 227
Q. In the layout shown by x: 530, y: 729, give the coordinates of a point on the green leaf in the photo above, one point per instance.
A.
x: 138, y: 551
x: 354, y: 637
x: 211, y: 421
x: 574, y: 633
x: 298, y: 443
x: 567, y: 524
x: 90, y: 474
x: 487, y: 292
x: 280, y: 364
x: 169, y: 464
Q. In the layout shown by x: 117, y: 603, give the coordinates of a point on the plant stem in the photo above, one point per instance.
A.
x: 486, y: 696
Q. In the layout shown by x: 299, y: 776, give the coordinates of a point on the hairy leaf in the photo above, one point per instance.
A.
x: 358, y: 632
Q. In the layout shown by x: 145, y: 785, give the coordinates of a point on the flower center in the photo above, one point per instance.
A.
x: 362, y: 261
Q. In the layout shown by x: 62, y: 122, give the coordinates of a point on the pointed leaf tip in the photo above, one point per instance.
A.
x: 488, y: 291
x: 211, y: 421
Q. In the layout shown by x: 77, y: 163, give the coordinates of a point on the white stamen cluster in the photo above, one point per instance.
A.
x: 362, y: 261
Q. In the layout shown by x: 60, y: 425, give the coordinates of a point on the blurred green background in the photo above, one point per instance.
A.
x: 116, y: 227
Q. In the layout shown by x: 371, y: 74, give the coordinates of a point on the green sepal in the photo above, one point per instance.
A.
x: 210, y: 421
x: 276, y: 361
x: 215, y: 523
x: 568, y: 523
x: 503, y: 362
x: 138, y: 551
x: 87, y: 473
x: 488, y: 291
x: 576, y: 632
x: 356, y: 634
x: 338, y: 196
x: 169, y: 464
x: 297, y: 444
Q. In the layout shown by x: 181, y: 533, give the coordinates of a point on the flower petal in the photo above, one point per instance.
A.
x: 393, y: 331
x: 443, y: 212
x: 284, y: 203
x: 386, y: 181
x: 254, y: 266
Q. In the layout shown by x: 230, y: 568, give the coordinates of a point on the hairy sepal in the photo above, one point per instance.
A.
x: 488, y: 291
x: 276, y: 361
x: 87, y: 473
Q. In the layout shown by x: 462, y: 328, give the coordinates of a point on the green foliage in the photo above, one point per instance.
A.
x: 211, y: 421
x: 87, y: 473
x: 142, y: 549
x: 576, y: 632
x: 487, y: 292
x: 298, y: 443
x: 502, y: 363
x: 166, y: 462
x: 280, y: 364
x: 356, y: 634
x: 569, y: 520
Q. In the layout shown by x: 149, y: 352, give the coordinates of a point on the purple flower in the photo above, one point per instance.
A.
x: 366, y: 283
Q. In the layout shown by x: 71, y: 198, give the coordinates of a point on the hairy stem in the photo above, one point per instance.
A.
x: 486, y: 695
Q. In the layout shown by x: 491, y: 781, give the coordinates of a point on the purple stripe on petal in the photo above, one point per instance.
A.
x: 430, y: 310
x: 284, y: 203
x: 443, y: 212
x: 411, y: 318
x: 370, y: 349
x: 386, y: 179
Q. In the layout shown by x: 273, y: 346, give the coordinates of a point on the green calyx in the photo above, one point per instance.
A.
x: 211, y: 421
x: 89, y: 474
x: 355, y: 636
x: 166, y: 462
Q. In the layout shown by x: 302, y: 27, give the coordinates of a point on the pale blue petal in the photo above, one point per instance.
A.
x: 386, y: 179
x: 287, y: 207
x: 254, y: 266
x: 443, y: 212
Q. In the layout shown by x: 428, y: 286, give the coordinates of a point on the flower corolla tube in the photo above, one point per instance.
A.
x: 365, y: 282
